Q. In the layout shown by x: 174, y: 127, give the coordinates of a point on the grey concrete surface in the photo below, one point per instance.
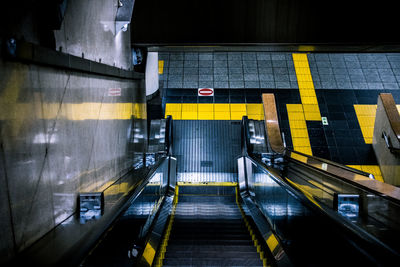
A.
x: 89, y: 28
x: 62, y: 133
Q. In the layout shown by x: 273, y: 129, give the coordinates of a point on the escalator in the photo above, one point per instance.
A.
x: 209, y: 230
x: 225, y: 198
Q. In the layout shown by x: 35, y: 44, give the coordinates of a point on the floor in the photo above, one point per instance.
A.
x: 341, y: 87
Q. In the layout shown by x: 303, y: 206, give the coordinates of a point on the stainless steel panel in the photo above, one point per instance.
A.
x: 62, y: 133
x: 206, y: 150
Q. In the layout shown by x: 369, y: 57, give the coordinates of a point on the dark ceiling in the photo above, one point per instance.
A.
x: 264, y: 21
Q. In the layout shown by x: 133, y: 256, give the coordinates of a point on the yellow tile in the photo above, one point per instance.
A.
x: 173, y: 107
x: 312, y: 116
x: 160, y: 66
x: 222, y: 108
x: 300, y: 141
x: 205, y: 115
x: 306, y: 100
x: 294, y: 108
x: 255, y: 117
x: 255, y: 109
x: 299, y: 133
x: 189, y: 108
x: 189, y: 115
x: 175, y: 115
x: 379, y: 178
x: 311, y: 108
x: 368, y: 140
x: 238, y: 108
x: 298, y: 124
x: 398, y: 108
x: 205, y: 107
x: 296, y: 116
x: 237, y: 115
x: 304, y: 149
x: 299, y: 57
x: 224, y: 115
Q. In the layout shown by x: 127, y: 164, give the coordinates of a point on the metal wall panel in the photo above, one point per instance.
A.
x: 206, y: 150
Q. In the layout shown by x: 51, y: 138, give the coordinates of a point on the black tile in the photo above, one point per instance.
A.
x: 334, y: 107
x: 283, y: 116
x: 339, y: 124
x: 347, y: 155
x: 330, y: 141
x: 321, y: 152
x: 237, y: 99
x: 221, y: 99
x: 366, y: 155
x: 189, y: 99
x: 253, y: 92
x: 336, y: 116
x: 328, y: 132
x: 353, y: 124
x: 253, y: 99
x: 314, y: 124
x: 221, y: 92
x: 315, y: 132
x: 349, y: 108
x: 341, y: 133
x: 206, y: 99
x: 284, y: 124
x: 343, y: 141
x: 173, y: 99
x: 237, y: 92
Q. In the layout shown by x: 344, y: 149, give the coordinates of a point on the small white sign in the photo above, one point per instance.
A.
x: 324, y: 121
x: 114, y: 92
x: 205, y: 91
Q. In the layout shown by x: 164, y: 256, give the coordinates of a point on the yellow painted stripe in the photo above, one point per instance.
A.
x: 251, y: 232
x: 160, y: 66
x: 164, y: 243
x: 373, y: 169
x: 366, y: 119
x: 306, y: 87
x: 298, y: 128
x: 214, y: 111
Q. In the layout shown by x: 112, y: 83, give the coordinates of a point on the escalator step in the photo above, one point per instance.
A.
x: 213, y: 248
x: 212, y: 254
x: 213, y: 262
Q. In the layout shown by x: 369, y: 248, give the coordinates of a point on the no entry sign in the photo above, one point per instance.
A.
x: 206, y: 91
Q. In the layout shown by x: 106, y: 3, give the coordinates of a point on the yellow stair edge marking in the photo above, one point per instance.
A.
x: 163, y: 248
x: 160, y: 66
x: 251, y: 232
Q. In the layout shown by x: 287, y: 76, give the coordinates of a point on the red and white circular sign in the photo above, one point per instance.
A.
x: 206, y: 91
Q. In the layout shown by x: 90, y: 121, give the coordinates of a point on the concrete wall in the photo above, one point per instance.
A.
x: 89, y: 28
x: 61, y: 133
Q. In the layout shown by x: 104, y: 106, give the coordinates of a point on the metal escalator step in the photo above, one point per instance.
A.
x: 213, y: 262
x: 173, y: 241
x: 211, y: 237
x: 208, y: 247
x: 212, y: 254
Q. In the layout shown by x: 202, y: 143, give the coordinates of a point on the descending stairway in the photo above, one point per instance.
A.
x: 208, y: 230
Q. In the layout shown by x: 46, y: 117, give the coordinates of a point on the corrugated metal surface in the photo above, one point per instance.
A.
x: 206, y: 150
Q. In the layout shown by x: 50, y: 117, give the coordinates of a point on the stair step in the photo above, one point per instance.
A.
x: 173, y: 241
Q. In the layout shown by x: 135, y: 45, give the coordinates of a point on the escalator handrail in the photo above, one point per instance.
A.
x: 338, y: 165
x: 383, y: 190
x: 358, y: 231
